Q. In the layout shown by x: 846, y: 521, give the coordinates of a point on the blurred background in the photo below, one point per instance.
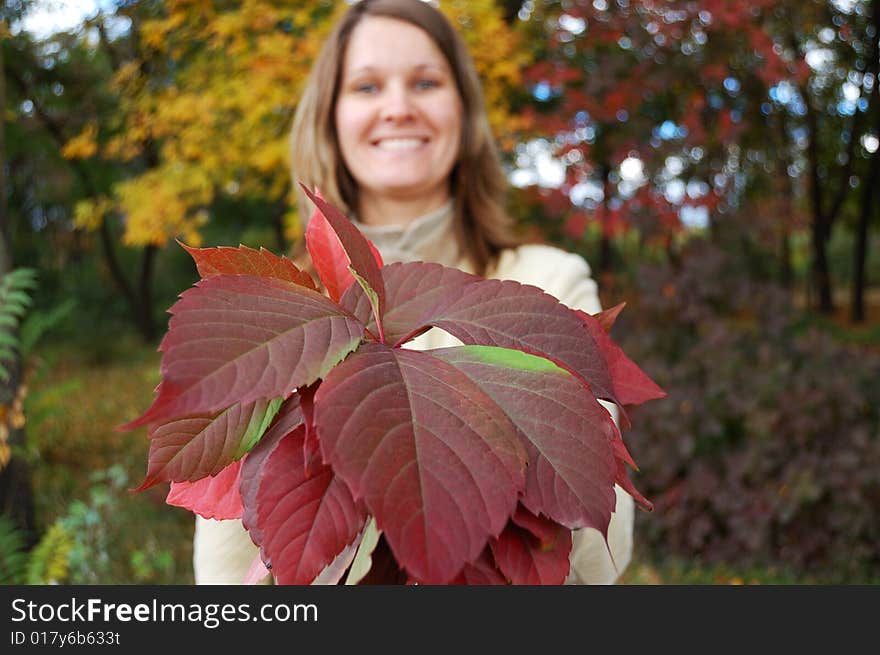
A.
x: 716, y: 162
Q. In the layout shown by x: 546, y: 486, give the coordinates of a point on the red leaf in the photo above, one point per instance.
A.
x: 289, y: 418
x: 305, y: 522
x: 212, y: 497
x: 436, y: 461
x: 483, y: 571
x: 631, y: 385
x: 525, y: 560
x: 247, y: 261
x: 543, y: 530
x: 191, y: 448
x: 236, y: 338
x: 626, y: 484
x: 606, y: 318
x: 384, y: 569
x: 567, y: 433
x: 311, y: 445
x: 485, y: 312
x: 334, y: 244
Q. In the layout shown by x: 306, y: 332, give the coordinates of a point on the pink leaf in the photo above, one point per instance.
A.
x: 256, y: 573
x: 436, y: 461
x: 237, y: 338
x: 305, y: 522
x: 212, y: 497
x: 247, y: 261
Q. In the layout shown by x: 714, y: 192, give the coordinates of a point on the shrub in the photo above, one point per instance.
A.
x: 767, y: 448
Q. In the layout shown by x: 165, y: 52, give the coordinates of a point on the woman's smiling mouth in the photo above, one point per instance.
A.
x: 400, y: 143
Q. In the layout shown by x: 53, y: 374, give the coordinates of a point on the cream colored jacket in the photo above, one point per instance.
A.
x: 223, y: 551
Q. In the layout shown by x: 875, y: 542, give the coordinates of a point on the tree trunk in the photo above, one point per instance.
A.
x: 606, y: 254
x: 144, y: 306
x: 786, y: 270
x: 278, y: 228
x: 820, y: 228
x: 16, y: 487
x: 869, y: 191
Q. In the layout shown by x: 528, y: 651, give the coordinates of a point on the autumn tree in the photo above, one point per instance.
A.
x: 610, y: 88
x: 206, y: 94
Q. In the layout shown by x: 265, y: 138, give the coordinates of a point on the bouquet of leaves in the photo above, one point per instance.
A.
x: 308, y: 417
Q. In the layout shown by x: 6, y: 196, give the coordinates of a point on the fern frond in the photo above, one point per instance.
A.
x: 13, y: 557
x: 15, y: 301
x: 49, y: 562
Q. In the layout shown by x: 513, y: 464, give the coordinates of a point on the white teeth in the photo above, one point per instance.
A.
x: 400, y: 144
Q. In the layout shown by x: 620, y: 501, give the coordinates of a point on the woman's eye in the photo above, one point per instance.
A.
x: 427, y: 84
x: 365, y: 87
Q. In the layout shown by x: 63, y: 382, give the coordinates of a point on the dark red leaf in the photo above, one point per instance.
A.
x: 485, y: 312
x: 384, y: 569
x: 437, y: 463
x: 311, y: 445
x: 483, y: 571
x: 305, y: 522
x: 288, y: 419
x: 546, y: 532
x: 212, y: 497
x: 237, y: 338
x: 247, y: 261
x: 525, y: 560
x: 190, y: 448
x: 626, y: 484
x: 567, y: 433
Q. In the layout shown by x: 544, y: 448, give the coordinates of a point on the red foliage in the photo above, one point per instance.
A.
x: 441, y: 447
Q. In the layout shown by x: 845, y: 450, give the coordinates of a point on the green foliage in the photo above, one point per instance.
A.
x: 15, y: 300
x: 767, y: 448
x: 13, y: 557
x: 93, y: 524
x: 39, y: 323
x: 47, y: 563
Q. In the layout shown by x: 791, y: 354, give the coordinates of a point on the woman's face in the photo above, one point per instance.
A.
x: 398, y: 113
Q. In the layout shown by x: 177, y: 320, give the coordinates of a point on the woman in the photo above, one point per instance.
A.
x: 391, y: 128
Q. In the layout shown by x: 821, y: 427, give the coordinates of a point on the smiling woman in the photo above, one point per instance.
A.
x: 398, y: 121
x: 391, y: 128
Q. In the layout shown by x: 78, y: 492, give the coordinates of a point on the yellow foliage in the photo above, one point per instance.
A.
x: 164, y: 203
x: 88, y: 214
x: 83, y: 145
x: 217, y: 101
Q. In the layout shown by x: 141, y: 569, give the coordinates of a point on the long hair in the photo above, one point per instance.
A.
x: 478, y: 184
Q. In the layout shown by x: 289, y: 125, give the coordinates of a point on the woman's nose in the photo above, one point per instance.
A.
x: 397, y: 104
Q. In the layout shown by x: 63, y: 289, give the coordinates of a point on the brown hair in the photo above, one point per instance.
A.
x: 478, y: 183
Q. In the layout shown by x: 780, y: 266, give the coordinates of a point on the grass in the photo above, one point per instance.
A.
x: 84, y: 469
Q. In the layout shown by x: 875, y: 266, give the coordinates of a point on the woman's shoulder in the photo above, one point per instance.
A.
x: 564, y: 275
